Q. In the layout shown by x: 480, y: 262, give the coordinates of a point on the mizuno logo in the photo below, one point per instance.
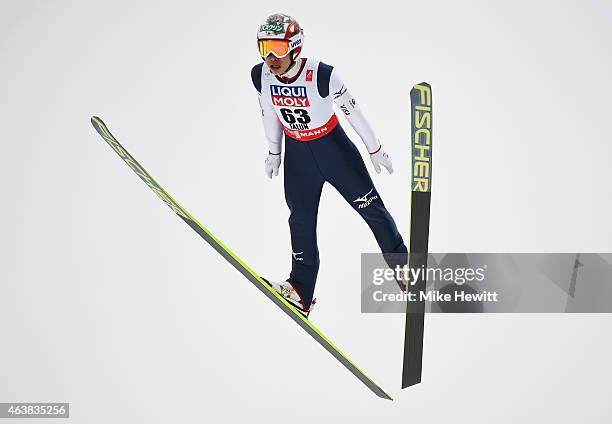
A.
x: 364, y: 197
x: 295, y: 256
x: 340, y: 92
x: 365, y: 200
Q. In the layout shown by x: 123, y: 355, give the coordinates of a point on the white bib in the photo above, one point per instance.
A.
x: 305, y: 115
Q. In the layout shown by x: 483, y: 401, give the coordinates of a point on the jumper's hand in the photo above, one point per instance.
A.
x: 380, y: 157
x: 272, y: 164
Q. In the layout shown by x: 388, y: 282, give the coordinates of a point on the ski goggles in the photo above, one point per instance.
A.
x: 279, y: 48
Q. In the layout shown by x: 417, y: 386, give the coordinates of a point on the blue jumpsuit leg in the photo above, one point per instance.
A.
x: 303, y: 185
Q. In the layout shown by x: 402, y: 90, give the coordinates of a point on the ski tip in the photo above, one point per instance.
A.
x: 379, y: 391
x: 422, y: 84
x: 100, y: 127
x: 386, y: 396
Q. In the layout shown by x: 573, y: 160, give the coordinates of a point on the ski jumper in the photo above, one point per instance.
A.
x: 317, y: 150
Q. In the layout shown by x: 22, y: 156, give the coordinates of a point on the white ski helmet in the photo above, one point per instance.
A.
x: 280, y: 35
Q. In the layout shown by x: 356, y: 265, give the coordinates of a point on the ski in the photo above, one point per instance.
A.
x: 421, y: 145
x: 234, y: 260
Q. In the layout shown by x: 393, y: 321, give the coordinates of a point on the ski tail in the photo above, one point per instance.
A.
x: 421, y: 145
x: 234, y: 260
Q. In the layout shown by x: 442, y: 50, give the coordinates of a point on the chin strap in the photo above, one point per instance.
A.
x: 293, y: 69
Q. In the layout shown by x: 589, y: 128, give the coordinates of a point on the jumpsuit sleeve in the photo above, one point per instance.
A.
x: 347, y: 104
x: 272, y: 126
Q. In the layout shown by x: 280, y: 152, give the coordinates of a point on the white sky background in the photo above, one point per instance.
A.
x: 109, y: 302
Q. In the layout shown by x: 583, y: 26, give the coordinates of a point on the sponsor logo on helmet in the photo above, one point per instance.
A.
x: 295, y: 44
x: 289, y: 96
x: 272, y: 28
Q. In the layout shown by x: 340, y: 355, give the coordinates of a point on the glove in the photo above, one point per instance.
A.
x: 380, y: 157
x: 272, y: 164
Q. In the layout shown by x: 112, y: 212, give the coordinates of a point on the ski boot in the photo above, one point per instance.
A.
x: 286, y: 290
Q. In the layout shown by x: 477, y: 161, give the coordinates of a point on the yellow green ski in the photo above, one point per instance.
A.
x: 235, y: 260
